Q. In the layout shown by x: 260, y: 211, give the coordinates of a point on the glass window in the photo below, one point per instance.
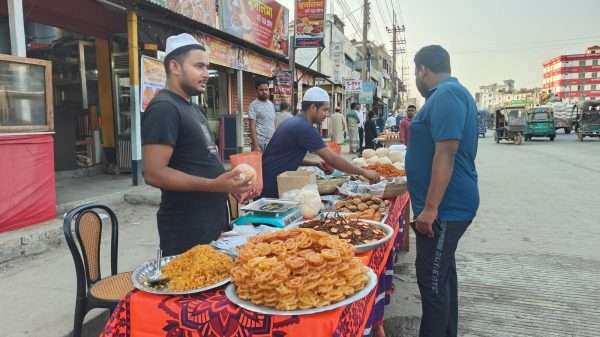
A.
x: 594, y: 75
x: 582, y: 63
x: 595, y: 62
x: 593, y: 87
x: 22, y: 94
x: 581, y: 75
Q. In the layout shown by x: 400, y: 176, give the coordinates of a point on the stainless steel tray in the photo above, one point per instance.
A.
x: 232, y: 296
x: 141, y: 274
x: 258, y: 207
x: 365, y: 247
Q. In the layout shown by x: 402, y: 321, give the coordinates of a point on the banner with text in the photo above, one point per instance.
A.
x: 153, y: 79
x: 282, y: 91
x: 262, y: 22
x: 310, y: 23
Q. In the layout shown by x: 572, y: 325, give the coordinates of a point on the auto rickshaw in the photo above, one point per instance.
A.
x: 540, y: 123
x: 511, y: 124
x: 587, y: 120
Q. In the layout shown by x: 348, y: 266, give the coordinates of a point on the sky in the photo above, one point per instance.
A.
x: 488, y: 41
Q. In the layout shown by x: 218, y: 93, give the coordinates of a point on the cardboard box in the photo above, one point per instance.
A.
x: 294, y: 180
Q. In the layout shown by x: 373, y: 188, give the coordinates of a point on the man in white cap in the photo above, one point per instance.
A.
x: 296, y: 137
x: 180, y: 156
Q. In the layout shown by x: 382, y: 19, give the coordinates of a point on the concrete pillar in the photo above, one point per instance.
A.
x: 134, y: 78
x: 240, y: 113
x: 17, y: 28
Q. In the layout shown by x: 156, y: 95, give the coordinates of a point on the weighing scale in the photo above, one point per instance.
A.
x: 270, y: 212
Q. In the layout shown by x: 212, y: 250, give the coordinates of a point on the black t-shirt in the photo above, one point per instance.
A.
x: 171, y: 120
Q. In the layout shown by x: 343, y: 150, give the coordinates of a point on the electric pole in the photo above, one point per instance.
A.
x: 366, y: 23
x: 398, y: 47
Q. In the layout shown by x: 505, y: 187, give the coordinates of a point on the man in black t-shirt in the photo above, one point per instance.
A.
x: 180, y: 156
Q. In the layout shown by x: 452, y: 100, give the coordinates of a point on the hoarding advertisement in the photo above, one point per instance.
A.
x: 262, y: 22
x: 310, y: 23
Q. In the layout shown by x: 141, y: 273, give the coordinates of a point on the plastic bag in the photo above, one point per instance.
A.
x: 308, y: 198
x: 253, y: 159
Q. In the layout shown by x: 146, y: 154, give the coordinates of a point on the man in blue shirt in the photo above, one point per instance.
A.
x: 295, y: 137
x: 442, y: 181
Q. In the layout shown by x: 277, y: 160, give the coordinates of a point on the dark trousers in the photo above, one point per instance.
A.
x: 436, y: 276
x: 361, y: 139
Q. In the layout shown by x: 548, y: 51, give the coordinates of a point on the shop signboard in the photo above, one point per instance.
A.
x: 310, y: 23
x: 232, y: 56
x: 352, y: 86
x: 221, y: 52
x: 282, y: 91
x: 262, y: 22
x: 258, y: 64
x: 153, y: 79
x: 204, y: 11
x: 367, y: 91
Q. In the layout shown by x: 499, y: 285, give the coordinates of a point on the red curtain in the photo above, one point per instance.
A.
x: 27, y: 190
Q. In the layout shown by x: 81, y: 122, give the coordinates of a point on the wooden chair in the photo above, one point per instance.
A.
x: 83, y: 233
x: 233, y: 206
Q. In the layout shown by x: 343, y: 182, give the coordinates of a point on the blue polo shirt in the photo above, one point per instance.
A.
x: 292, y: 140
x: 449, y: 113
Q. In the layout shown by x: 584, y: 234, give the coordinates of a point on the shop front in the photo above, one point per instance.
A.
x: 56, y: 100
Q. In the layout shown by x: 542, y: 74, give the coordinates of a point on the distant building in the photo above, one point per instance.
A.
x: 574, y: 77
x: 493, y: 96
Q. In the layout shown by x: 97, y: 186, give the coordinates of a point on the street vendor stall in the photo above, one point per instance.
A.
x: 27, y: 195
x: 215, y: 312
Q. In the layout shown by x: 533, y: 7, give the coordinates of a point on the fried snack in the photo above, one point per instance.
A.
x: 387, y: 170
x: 365, y: 207
x: 198, y: 267
x: 349, y: 229
x: 303, y: 269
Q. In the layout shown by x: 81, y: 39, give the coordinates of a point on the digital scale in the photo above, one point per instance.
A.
x: 270, y: 212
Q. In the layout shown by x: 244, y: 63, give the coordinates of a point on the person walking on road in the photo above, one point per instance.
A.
x: 370, y: 131
x: 442, y: 182
x: 353, y: 123
x: 283, y: 114
x: 337, y: 127
x: 262, y: 117
x: 405, y: 124
x: 361, y: 128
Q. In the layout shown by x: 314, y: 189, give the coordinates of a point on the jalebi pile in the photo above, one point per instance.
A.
x: 297, y: 269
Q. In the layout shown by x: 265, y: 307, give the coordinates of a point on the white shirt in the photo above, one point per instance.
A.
x: 361, y: 117
x: 391, y: 121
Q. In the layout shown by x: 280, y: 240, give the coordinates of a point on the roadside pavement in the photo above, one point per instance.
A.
x: 38, y: 292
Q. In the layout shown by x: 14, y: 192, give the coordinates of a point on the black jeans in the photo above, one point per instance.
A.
x: 361, y: 139
x: 436, y: 276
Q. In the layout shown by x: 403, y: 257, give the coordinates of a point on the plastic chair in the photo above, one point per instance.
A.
x: 83, y: 233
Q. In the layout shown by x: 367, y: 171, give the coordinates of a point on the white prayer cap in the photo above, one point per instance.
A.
x: 181, y: 43
x: 316, y: 94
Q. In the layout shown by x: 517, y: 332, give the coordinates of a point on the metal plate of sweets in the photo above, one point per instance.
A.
x: 233, y: 297
x: 365, y: 247
x: 142, y: 274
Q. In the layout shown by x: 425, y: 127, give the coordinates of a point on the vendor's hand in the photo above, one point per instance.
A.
x: 425, y: 220
x: 325, y: 167
x: 231, y: 182
x: 372, y: 176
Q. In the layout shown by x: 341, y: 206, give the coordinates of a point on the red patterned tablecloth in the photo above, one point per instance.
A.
x: 211, y: 314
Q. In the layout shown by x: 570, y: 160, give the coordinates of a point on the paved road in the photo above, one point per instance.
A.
x: 530, y: 263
